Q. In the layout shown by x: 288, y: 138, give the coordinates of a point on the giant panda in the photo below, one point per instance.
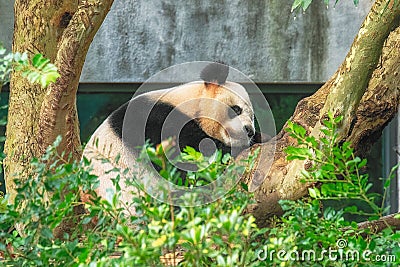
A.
x: 208, y: 114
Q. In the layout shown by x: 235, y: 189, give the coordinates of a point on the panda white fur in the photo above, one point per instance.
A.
x: 213, y: 108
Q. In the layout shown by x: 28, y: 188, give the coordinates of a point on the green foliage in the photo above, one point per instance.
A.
x: 5, y: 66
x: 301, y: 4
x: 335, y: 169
x: 38, y: 70
x: 218, y: 234
x: 310, y: 236
x: 304, y: 4
x: 208, y: 169
x: 46, y: 195
x: 158, y: 234
x: 311, y: 230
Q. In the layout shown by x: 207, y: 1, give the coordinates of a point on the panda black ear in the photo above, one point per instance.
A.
x: 216, y: 72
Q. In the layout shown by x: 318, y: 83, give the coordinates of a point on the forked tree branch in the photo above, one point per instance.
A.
x: 340, y: 95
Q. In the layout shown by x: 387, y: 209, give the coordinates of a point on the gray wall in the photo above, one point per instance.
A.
x: 260, y: 38
x: 6, y: 22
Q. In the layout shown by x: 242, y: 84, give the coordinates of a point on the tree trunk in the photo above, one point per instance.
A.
x: 62, y: 31
x: 364, y: 92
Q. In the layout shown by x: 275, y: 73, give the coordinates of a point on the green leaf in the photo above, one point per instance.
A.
x: 387, y: 183
x: 296, y: 4
x: 368, y: 187
x: 32, y: 76
x: 226, y: 158
x: 300, y: 153
x: 362, y: 163
x: 301, y: 3
x: 47, y: 233
x: 373, y: 218
x: 17, y: 56
x: 39, y: 70
x: 313, y: 192
x: 36, y: 59
x: 351, y: 209
x: 192, y: 154
x: 299, y: 130
x: 325, y: 189
x: 24, y: 58
x: 40, y: 62
x: 338, y: 119
x: 48, y: 78
x: 306, y: 4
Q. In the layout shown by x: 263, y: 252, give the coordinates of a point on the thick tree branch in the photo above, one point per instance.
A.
x: 381, y: 224
x: 381, y: 101
x: 341, y: 95
x: 58, y: 115
x: 355, y: 72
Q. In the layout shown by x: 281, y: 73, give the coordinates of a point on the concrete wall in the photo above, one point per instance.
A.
x: 6, y: 22
x: 259, y: 37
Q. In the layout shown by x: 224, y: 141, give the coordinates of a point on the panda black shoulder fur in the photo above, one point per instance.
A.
x: 207, y: 115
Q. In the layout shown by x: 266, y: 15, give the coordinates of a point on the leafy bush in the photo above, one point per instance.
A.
x: 38, y: 70
x: 217, y: 234
x: 158, y: 233
x: 208, y: 169
x: 336, y: 170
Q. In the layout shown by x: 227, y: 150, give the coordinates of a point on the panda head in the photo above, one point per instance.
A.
x: 232, y: 119
x: 221, y: 108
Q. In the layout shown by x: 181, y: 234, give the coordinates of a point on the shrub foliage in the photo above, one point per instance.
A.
x: 218, y: 234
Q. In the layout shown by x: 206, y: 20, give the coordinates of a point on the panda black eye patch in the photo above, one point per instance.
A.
x: 234, y: 111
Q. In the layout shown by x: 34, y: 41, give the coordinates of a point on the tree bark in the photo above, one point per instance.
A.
x: 62, y: 31
x: 364, y: 92
x: 377, y: 226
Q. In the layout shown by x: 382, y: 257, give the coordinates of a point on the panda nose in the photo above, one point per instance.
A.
x: 249, y: 130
